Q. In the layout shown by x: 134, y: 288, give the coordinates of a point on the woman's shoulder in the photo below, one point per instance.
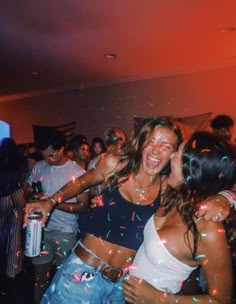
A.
x: 110, y: 161
x: 212, y: 234
x: 107, y: 165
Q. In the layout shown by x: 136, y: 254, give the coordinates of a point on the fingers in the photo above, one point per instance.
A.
x: 96, y: 201
x: 218, y: 217
x: 129, y: 296
x: 215, y: 214
x: 215, y: 208
x: 27, y: 211
x: 129, y: 300
x: 201, y: 211
x: 100, y: 201
x: 44, y: 207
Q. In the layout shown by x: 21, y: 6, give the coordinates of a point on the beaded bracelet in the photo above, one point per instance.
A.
x: 231, y: 197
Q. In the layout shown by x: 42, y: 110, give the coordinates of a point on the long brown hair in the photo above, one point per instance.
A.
x: 131, y: 154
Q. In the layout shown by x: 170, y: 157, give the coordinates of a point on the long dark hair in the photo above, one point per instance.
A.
x: 131, y: 153
x: 209, y: 166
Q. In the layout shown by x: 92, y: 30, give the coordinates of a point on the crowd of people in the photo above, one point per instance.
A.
x: 129, y: 221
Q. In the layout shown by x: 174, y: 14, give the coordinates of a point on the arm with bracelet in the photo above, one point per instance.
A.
x: 106, y: 166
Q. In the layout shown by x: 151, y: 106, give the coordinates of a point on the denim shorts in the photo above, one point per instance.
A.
x: 78, y: 283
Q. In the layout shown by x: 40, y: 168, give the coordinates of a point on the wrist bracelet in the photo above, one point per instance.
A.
x: 230, y: 196
x: 54, y: 201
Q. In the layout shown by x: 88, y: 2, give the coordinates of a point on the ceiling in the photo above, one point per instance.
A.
x: 51, y: 45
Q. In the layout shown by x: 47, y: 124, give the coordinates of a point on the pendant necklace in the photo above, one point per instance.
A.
x: 141, y: 190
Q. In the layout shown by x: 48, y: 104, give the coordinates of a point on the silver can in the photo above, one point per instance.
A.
x: 33, y: 236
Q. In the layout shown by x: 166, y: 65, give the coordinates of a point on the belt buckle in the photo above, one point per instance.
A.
x: 111, y: 273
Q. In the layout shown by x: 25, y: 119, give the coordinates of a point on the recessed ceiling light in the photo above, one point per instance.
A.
x: 110, y: 55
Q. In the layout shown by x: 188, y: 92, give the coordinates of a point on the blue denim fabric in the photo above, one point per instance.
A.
x: 78, y: 283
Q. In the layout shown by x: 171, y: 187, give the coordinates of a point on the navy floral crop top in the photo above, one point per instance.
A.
x: 119, y: 221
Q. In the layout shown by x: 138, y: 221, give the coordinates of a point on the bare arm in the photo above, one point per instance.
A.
x: 81, y: 206
x: 104, y: 168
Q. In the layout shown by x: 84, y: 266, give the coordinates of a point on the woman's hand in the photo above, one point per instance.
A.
x: 96, y: 201
x: 215, y: 208
x: 45, y: 206
x: 138, y: 291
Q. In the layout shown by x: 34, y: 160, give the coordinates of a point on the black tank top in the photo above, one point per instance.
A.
x: 119, y: 221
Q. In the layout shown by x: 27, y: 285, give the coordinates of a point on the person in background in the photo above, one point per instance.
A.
x: 77, y: 149
x: 33, y: 152
x: 33, y: 155
x: 97, y: 147
x: 135, y: 179
x: 13, y: 171
x: 71, y: 146
x: 61, y: 232
x: 82, y: 155
x: 223, y: 125
x: 176, y: 241
x: 114, y: 138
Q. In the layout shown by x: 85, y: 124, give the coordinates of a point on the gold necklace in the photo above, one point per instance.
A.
x: 141, y: 190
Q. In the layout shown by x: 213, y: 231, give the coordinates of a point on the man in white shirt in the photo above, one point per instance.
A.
x: 61, y: 232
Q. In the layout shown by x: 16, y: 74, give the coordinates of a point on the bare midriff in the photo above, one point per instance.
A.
x: 112, y: 254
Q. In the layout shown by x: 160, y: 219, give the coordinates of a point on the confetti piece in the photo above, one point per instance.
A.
x: 200, y: 256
